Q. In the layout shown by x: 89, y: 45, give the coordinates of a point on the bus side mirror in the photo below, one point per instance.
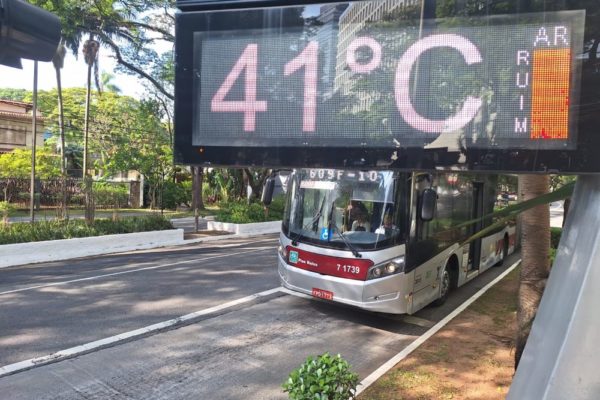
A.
x: 428, y: 202
x: 268, y: 189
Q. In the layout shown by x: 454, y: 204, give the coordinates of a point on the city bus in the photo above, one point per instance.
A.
x: 388, y: 241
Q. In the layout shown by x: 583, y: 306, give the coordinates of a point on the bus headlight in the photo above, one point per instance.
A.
x: 283, y: 252
x: 387, y: 268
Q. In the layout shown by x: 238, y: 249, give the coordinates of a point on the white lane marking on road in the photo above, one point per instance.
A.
x: 224, y: 246
x: 111, y: 341
x: 379, y: 372
x: 90, y: 278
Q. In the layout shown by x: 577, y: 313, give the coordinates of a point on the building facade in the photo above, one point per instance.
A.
x: 16, y: 126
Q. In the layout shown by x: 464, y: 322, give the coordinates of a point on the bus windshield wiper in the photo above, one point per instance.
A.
x: 310, y: 224
x: 333, y: 225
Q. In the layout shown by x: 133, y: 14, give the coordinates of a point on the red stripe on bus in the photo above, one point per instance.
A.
x: 349, y: 268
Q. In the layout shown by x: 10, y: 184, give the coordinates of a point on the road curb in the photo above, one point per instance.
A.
x: 225, y: 237
x: 18, y: 254
x: 67, y: 249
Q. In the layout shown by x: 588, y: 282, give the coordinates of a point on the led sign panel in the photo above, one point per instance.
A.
x: 492, y: 83
x: 372, y: 85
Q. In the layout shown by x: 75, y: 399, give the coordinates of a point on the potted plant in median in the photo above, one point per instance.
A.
x: 324, y: 377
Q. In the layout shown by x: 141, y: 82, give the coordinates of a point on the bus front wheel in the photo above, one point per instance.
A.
x: 444, y: 288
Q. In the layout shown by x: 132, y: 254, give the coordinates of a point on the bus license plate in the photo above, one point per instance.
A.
x: 322, y: 294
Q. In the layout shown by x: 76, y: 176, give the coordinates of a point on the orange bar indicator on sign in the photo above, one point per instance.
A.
x: 550, y: 93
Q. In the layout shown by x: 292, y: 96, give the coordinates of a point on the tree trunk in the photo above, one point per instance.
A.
x: 197, y: 179
x: 61, y: 126
x: 258, y: 183
x: 535, y: 265
x: 90, y: 52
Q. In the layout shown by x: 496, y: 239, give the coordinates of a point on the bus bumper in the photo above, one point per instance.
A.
x: 390, y: 294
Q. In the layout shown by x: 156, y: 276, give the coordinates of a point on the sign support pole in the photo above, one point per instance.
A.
x: 560, y: 359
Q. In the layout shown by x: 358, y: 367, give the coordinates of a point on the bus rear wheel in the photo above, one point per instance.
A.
x: 504, y: 251
x: 444, y: 288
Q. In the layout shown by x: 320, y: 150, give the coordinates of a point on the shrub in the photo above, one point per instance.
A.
x: 110, y: 195
x: 5, y: 210
x: 322, y: 378
x: 175, y: 194
x: 555, y: 237
x: 57, y: 229
x: 276, y: 207
x: 243, y: 213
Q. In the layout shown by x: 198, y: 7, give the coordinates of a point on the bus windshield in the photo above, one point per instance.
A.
x: 343, y: 209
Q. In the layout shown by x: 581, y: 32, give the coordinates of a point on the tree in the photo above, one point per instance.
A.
x: 256, y: 180
x: 13, y: 94
x: 535, y: 264
x: 128, y: 28
x: 138, y: 141
x: 90, y: 52
x: 17, y: 163
x: 58, y: 61
x: 106, y: 83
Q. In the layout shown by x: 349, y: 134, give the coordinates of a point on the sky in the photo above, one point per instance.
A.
x: 74, y: 74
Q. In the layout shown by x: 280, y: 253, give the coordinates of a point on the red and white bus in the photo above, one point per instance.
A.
x: 388, y: 241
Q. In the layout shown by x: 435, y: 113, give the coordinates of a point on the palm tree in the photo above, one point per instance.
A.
x: 535, y: 265
x: 106, y: 79
x: 58, y: 61
x: 90, y: 53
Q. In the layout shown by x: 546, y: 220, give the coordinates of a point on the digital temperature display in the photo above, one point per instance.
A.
x: 492, y: 83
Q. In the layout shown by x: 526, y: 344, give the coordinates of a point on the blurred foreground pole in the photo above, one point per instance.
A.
x: 562, y: 358
x: 33, y: 143
x: 196, y: 195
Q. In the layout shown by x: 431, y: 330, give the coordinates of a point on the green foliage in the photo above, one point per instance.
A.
x: 558, y: 181
x: 12, y: 94
x: 175, y: 194
x: 209, y: 193
x: 110, y: 195
x: 322, y: 378
x: 17, y: 163
x: 277, y: 207
x: 127, y: 29
x: 555, y: 234
x: 6, y: 209
x: 240, y: 212
x: 555, y: 237
x: 125, y: 134
x: 54, y: 230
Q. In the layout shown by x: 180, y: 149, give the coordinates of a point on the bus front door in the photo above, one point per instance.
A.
x: 477, y: 213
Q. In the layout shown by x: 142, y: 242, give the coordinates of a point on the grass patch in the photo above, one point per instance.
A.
x: 470, y: 358
x: 497, y: 303
x: 55, y: 229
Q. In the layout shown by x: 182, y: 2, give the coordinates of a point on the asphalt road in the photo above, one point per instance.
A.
x: 241, y: 352
x: 48, y: 307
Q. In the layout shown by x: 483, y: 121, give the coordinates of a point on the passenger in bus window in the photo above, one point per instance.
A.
x: 361, y: 223
x: 388, y: 227
x: 354, y: 209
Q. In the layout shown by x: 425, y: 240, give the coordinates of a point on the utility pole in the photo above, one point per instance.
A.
x: 33, y: 143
